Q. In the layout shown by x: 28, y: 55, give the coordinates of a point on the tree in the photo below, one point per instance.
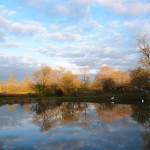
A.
x: 11, y: 84
x: 47, y: 81
x: 108, y: 84
x: 85, y: 76
x: 42, y: 78
x: 11, y: 78
x: 144, y: 50
x: 26, y: 84
x: 56, y: 76
x: 139, y: 77
x: 70, y: 83
x: 120, y: 78
x: 102, y: 79
x: 106, y: 70
x: 27, y: 79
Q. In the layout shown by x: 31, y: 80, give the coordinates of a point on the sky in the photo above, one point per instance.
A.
x: 70, y: 33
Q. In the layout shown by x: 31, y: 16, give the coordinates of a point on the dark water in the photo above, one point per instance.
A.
x: 68, y: 125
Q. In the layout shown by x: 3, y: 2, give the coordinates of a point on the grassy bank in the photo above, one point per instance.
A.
x: 14, y: 98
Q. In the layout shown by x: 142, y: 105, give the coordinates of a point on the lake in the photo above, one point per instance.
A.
x: 74, y: 125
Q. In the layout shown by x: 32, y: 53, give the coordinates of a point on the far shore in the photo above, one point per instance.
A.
x: 23, y: 98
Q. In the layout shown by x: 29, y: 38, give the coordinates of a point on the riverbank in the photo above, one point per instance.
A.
x: 108, y: 98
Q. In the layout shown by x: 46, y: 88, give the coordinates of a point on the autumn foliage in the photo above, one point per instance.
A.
x: 58, y: 82
x: 14, y: 86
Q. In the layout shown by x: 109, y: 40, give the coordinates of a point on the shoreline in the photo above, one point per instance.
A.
x: 104, y: 98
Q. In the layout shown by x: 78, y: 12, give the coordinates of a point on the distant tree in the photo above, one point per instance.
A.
x: 11, y: 78
x: 108, y: 77
x: 1, y: 87
x: 108, y: 84
x: 120, y: 78
x: 84, y: 73
x: 56, y: 76
x: 12, y: 84
x: 48, y: 80
x: 106, y: 70
x: 102, y: 80
x: 139, y: 77
x: 42, y: 79
x: 26, y: 84
x: 70, y: 83
x: 27, y: 79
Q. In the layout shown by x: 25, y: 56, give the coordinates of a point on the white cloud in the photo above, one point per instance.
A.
x: 138, y: 26
x: 138, y: 8
x: 26, y: 28
x: 84, y: 26
x: 70, y: 10
x: 134, y: 7
x: 10, y: 44
x: 2, y: 35
x: 75, y: 34
x: 100, y: 50
x: 60, y: 36
x: 116, y: 5
x: 79, y: 9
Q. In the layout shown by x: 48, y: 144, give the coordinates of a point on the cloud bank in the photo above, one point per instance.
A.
x: 73, y: 33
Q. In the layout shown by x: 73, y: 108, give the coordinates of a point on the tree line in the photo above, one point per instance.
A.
x: 57, y: 82
x: 14, y: 86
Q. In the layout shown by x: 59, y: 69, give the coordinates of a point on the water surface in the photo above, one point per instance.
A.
x: 69, y: 125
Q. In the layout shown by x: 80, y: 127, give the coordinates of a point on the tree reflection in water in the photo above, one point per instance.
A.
x: 11, y: 107
x: 141, y: 114
x: 110, y: 112
x: 109, y: 124
x: 51, y: 113
x: 46, y: 114
x: 71, y: 111
x: 27, y: 107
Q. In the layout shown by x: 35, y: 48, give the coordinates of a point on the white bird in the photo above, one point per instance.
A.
x: 112, y: 98
x: 142, y: 101
x: 112, y: 102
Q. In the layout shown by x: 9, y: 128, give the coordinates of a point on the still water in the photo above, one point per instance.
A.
x: 69, y: 126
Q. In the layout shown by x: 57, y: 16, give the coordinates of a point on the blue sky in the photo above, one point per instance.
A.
x: 70, y: 33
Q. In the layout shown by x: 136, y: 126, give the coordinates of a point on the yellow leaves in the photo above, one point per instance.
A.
x: 107, y: 77
x: 70, y: 83
x: 139, y: 77
x: 120, y: 78
x: 106, y: 70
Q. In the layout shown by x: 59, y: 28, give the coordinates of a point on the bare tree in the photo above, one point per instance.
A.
x: 85, y: 76
x: 144, y: 50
